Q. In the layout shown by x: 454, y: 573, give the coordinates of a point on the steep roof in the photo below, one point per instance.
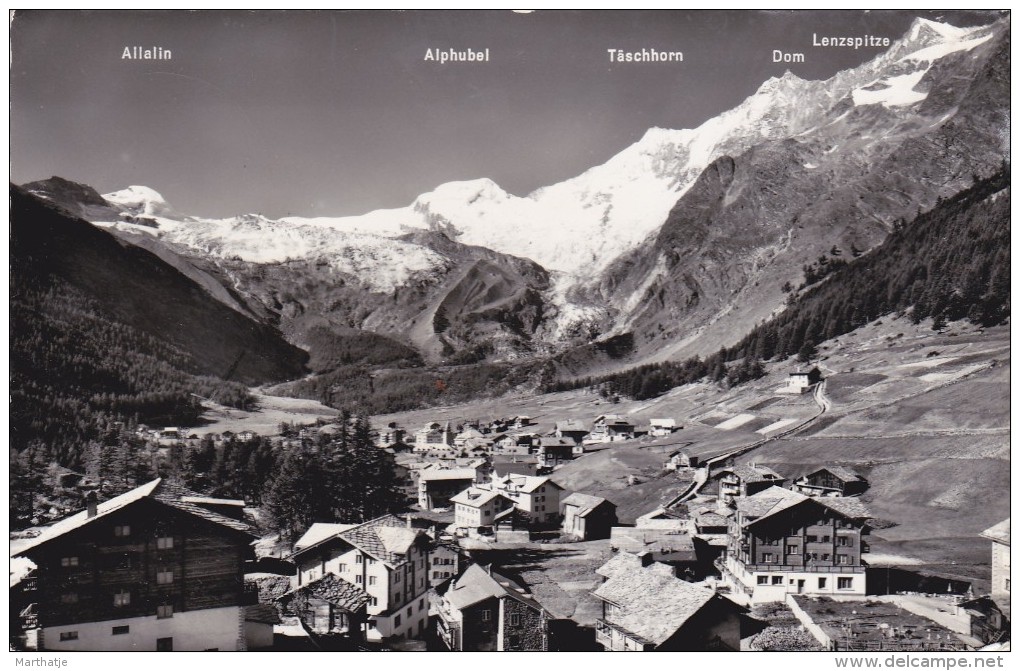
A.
x: 640, y: 539
x: 377, y: 538
x: 475, y: 497
x: 478, y: 583
x: 335, y: 590
x: 523, y: 483
x: 585, y: 502
x: 841, y: 472
x: 773, y: 500
x: 709, y: 518
x: 429, y: 474
x: 625, y: 562
x: 319, y: 532
x: 651, y: 604
x: 753, y: 473
x: 666, y: 423
x: 571, y: 425
x: 158, y: 490
x: 552, y: 441
x: 998, y: 533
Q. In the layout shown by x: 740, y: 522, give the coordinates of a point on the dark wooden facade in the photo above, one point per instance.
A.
x: 98, y: 572
x: 824, y: 481
x: 480, y: 626
x: 807, y: 537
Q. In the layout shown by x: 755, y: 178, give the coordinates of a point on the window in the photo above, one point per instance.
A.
x: 68, y: 636
x: 122, y: 598
x: 766, y: 558
x: 165, y: 644
x: 821, y: 583
x: 812, y: 538
x: 117, y: 631
x: 763, y: 580
x: 410, y: 610
x: 343, y: 568
x: 359, y: 580
x: 69, y: 597
x: 515, y: 620
x: 846, y: 542
x: 777, y: 580
x: 1005, y: 584
x: 396, y: 597
x: 371, y: 561
x: 165, y: 577
x: 792, y: 550
x: 122, y: 530
x: 421, y: 602
x: 165, y: 543
x: 825, y: 557
x: 396, y: 621
x: 814, y: 556
x: 358, y: 559
x: 843, y: 559
x: 371, y: 580
x: 67, y: 562
x: 844, y: 583
x: 164, y: 611
x: 486, y: 615
x: 826, y: 539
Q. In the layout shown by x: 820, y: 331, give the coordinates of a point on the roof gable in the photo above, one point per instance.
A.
x: 374, y: 538
x: 586, y: 503
x: 157, y: 491
x: 651, y: 604
x: 478, y: 583
x: 774, y: 500
x: 333, y: 589
x: 998, y: 533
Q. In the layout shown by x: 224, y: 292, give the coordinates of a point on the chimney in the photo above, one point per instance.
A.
x: 91, y: 504
x: 646, y: 558
x: 488, y: 569
x: 407, y: 518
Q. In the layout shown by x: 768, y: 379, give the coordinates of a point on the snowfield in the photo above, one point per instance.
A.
x: 575, y: 228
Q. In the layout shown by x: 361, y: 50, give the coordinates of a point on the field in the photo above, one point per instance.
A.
x: 924, y: 416
x: 265, y: 420
x: 935, y: 449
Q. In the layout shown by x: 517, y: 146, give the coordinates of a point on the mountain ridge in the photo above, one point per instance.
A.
x: 811, y: 166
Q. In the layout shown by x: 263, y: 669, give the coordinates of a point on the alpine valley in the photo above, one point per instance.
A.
x: 675, y: 247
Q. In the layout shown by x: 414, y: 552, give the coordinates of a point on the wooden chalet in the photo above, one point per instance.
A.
x: 158, y: 568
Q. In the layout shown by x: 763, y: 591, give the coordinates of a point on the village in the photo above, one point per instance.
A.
x: 497, y: 552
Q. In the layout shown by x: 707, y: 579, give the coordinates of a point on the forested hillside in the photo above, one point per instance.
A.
x: 104, y: 333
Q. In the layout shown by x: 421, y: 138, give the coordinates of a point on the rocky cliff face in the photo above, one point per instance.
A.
x: 684, y: 240
x: 879, y: 152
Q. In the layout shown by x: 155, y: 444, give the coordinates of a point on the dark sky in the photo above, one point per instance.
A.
x: 320, y: 113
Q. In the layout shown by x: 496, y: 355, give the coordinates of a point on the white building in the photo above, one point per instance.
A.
x: 386, y: 558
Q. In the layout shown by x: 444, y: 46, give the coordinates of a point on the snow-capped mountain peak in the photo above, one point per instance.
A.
x: 141, y: 200
x: 579, y: 226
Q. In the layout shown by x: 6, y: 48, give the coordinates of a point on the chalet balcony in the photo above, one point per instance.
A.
x: 603, y: 634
